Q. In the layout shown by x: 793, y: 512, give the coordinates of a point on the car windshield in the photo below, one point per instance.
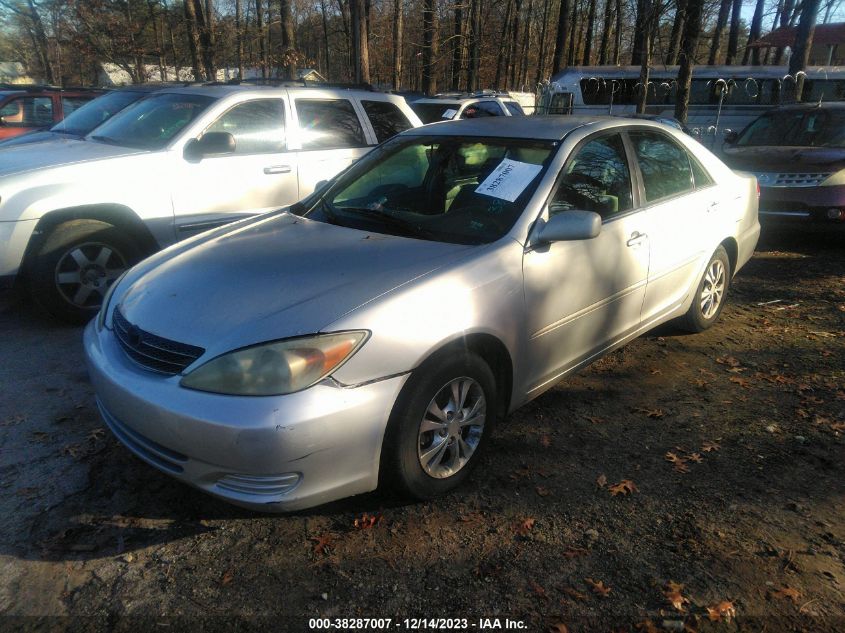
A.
x: 796, y: 128
x: 432, y: 112
x: 462, y: 190
x: 93, y: 113
x: 153, y: 122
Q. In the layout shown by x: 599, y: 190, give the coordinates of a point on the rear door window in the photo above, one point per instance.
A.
x: 664, y: 165
x: 514, y: 108
x: 329, y: 124
x: 482, y: 109
x: 387, y: 119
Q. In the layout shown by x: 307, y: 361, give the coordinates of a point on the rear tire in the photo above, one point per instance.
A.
x: 75, y: 265
x: 710, y: 294
x: 439, y: 426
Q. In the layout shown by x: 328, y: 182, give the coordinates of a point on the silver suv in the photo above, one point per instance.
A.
x: 74, y: 214
x: 453, y: 106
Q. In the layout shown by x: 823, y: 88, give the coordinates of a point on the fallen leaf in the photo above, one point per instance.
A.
x: 594, y: 419
x: 543, y: 491
x: 598, y: 587
x: 601, y: 481
x: 366, y: 521
x: 546, y: 440
x: 673, y: 595
x: 574, y: 593
x: 742, y: 382
x: 695, y: 457
x: 524, y: 527
x: 709, y: 447
x: 672, y: 457
x: 322, y: 543
x: 725, y: 609
x: 573, y: 552
x: 681, y: 467
x: 652, y: 413
x: 541, y: 593
x: 624, y: 487
x: 227, y: 578
x: 558, y: 628
x: 787, y: 592
x: 730, y: 361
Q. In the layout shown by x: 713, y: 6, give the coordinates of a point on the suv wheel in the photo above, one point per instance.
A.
x: 76, y: 264
x: 439, y: 425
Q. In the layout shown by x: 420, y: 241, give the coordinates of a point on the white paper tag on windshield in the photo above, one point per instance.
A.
x: 450, y: 113
x: 509, y: 179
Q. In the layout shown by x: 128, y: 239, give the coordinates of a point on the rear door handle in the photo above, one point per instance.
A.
x: 277, y: 169
x: 636, y: 239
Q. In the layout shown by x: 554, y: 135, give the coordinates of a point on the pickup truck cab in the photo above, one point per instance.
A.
x: 75, y: 214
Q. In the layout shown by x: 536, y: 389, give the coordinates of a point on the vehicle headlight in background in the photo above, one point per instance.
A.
x: 101, y: 315
x: 837, y: 178
x: 273, y: 369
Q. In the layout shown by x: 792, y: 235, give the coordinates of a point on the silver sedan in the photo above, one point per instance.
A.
x: 376, y: 331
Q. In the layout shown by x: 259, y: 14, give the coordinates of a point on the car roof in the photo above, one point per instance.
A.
x: 546, y: 127
x: 830, y: 105
x: 223, y: 90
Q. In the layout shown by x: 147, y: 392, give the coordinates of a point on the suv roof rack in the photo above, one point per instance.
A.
x: 472, y: 95
x: 292, y: 83
x: 44, y: 87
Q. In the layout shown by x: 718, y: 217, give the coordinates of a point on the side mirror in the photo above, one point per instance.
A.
x: 731, y: 136
x: 210, y: 144
x: 571, y: 225
x: 320, y: 185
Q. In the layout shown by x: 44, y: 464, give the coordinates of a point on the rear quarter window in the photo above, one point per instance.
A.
x: 386, y: 118
x: 329, y: 124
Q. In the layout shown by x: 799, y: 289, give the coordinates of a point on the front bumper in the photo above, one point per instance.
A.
x: 14, y: 238
x: 802, y: 204
x: 271, y: 454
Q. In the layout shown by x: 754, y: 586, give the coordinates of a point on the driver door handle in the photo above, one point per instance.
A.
x: 277, y: 169
x: 636, y: 239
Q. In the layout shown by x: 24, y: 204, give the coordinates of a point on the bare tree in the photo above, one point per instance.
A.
x: 429, y: 51
x: 261, y: 36
x: 803, y: 44
x: 692, y: 31
x: 753, y: 54
x: 474, y: 45
x: 733, y: 34
x: 646, y: 15
x: 360, y: 41
x: 588, y: 38
x: 677, y: 31
x: 397, y: 44
x: 289, y: 55
x: 604, y: 47
x: 239, y: 37
x: 562, y: 38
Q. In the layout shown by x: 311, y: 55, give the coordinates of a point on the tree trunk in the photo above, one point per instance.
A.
x: 457, y: 45
x: 397, y: 44
x: 262, y: 37
x: 692, y: 31
x: 359, y: 41
x: 541, y: 60
x: 721, y: 22
x: 42, y: 46
x: 588, y: 38
x: 429, y: 52
x: 785, y: 20
x: 645, y: 52
x: 513, y: 57
x: 474, y: 39
x: 502, y: 56
x: 288, y: 38
x: 573, y: 25
x: 562, y: 38
x: 159, y: 41
x: 617, y: 45
x: 523, y: 71
x: 677, y: 30
x: 733, y: 34
x: 803, y: 44
x: 326, y: 37
x: 194, y: 44
x: 753, y: 54
x: 209, y: 41
x: 639, y: 34
x: 239, y: 38
x: 604, y: 48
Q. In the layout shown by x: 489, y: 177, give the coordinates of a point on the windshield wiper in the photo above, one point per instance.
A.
x: 410, y: 228
x: 105, y: 139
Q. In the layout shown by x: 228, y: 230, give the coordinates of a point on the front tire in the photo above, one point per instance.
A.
x: 710, y: 294
x: 74, y: 267
x: 440, y: 424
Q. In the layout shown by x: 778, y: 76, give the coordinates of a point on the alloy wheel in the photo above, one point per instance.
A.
x: 85, y: 272
x: 713, y: 290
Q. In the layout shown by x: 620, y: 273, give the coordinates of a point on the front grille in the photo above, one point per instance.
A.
x: 792, y: 179
x: 151, y: 351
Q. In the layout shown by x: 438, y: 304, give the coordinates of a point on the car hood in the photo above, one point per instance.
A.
x: 785, y: 159
x: 29, y: 157
x: 279, y: 277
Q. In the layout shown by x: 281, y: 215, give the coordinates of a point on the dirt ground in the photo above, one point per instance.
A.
x: 690, y: 481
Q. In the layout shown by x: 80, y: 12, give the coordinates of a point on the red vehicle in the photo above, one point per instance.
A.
x: 27, y: 108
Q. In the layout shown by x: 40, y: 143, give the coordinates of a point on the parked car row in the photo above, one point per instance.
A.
x: 383, y: 291
x: 24, y: 108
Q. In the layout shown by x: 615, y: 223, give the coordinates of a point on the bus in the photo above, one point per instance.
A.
x: 722, y: 98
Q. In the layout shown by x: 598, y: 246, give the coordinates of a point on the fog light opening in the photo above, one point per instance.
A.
x: 835, y: 214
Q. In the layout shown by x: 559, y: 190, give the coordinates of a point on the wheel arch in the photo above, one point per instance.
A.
x: 117, y: 215
x: 732, y: 249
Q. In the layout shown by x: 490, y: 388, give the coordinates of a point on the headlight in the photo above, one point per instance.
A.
x: 101, y: 315
x: 273, y: 369
x: 837, y: 178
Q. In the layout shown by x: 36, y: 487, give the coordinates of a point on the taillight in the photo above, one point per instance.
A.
x: 758, y: 189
